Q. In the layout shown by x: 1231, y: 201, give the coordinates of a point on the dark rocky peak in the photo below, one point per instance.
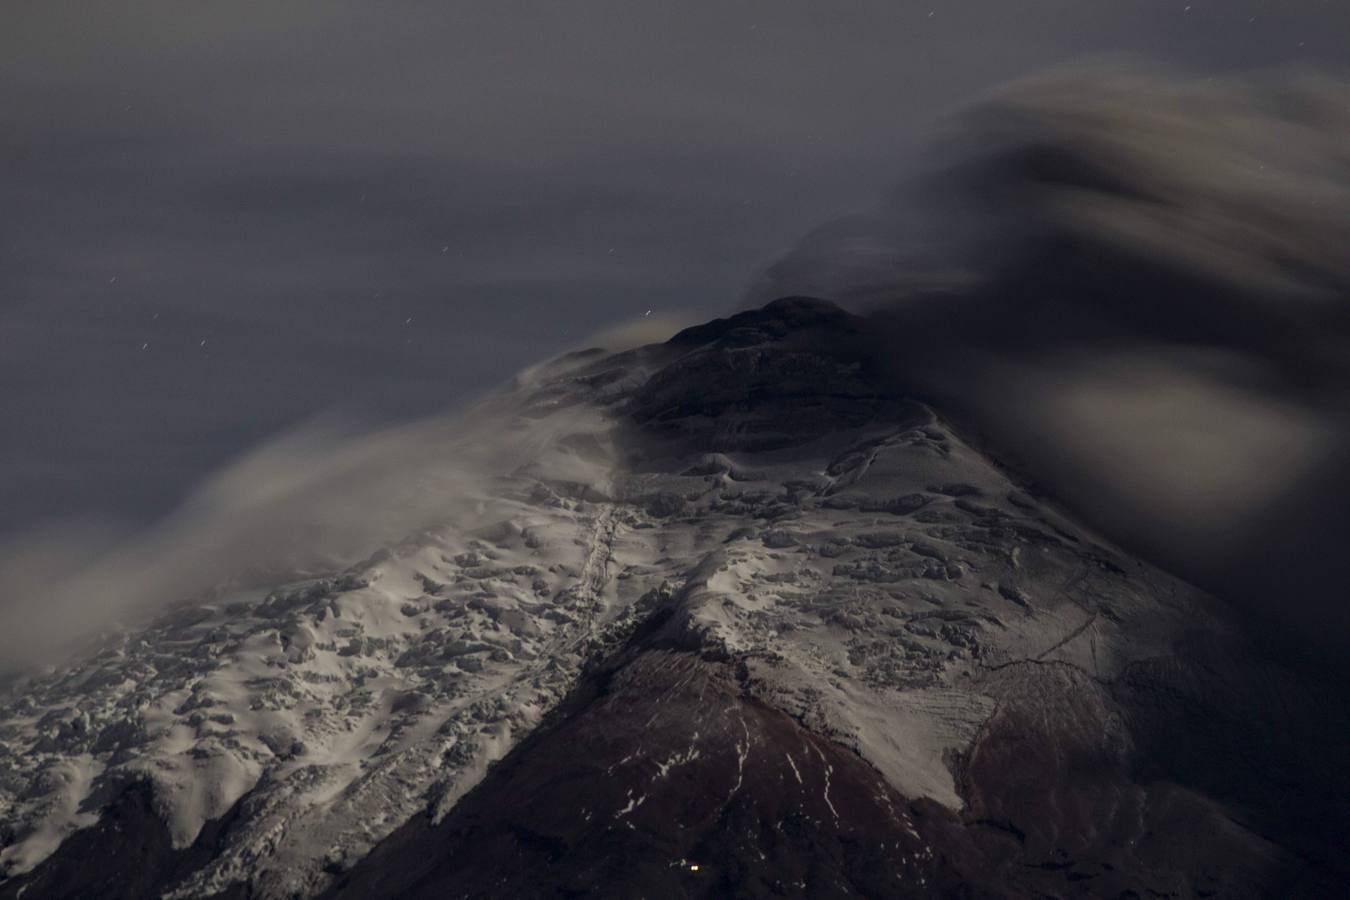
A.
x: 772, y: 321
x: 791, y: 372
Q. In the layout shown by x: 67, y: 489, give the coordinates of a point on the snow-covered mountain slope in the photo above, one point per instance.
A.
x: 745, y: 580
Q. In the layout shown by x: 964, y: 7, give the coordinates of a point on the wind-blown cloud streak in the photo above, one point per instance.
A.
x: 310, y: 501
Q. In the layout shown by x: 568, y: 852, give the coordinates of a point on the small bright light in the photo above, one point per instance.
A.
x: 693, y: 868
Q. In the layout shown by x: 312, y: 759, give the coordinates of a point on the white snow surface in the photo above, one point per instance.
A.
x: 866, y: 580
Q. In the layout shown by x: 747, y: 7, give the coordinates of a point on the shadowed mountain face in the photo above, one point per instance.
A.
x: 754, y: 623
x: 670, y: 779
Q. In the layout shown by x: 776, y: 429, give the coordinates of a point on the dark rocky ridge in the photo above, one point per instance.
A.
x: 1060, y: 803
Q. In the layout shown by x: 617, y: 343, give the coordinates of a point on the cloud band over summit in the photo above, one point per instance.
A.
x: 1136, y: 286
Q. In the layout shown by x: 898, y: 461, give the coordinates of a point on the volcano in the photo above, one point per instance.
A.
x: 753, y: 619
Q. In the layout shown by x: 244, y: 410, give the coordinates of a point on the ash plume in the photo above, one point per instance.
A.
x: 1135, y: 287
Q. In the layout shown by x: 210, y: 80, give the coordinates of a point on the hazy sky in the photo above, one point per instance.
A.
x: 219, y: 219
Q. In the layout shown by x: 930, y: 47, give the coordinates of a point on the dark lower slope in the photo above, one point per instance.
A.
x: 667, y: 761
x: 126, y: 855
x: 669, y: 781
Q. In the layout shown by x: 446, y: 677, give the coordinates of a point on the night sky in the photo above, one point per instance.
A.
x: 217, y: 220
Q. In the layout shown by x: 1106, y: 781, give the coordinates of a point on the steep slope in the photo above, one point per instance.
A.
x: 751, y: 610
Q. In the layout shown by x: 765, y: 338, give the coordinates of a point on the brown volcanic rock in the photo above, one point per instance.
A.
x: 665, y: 761
x: 670, y: 781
